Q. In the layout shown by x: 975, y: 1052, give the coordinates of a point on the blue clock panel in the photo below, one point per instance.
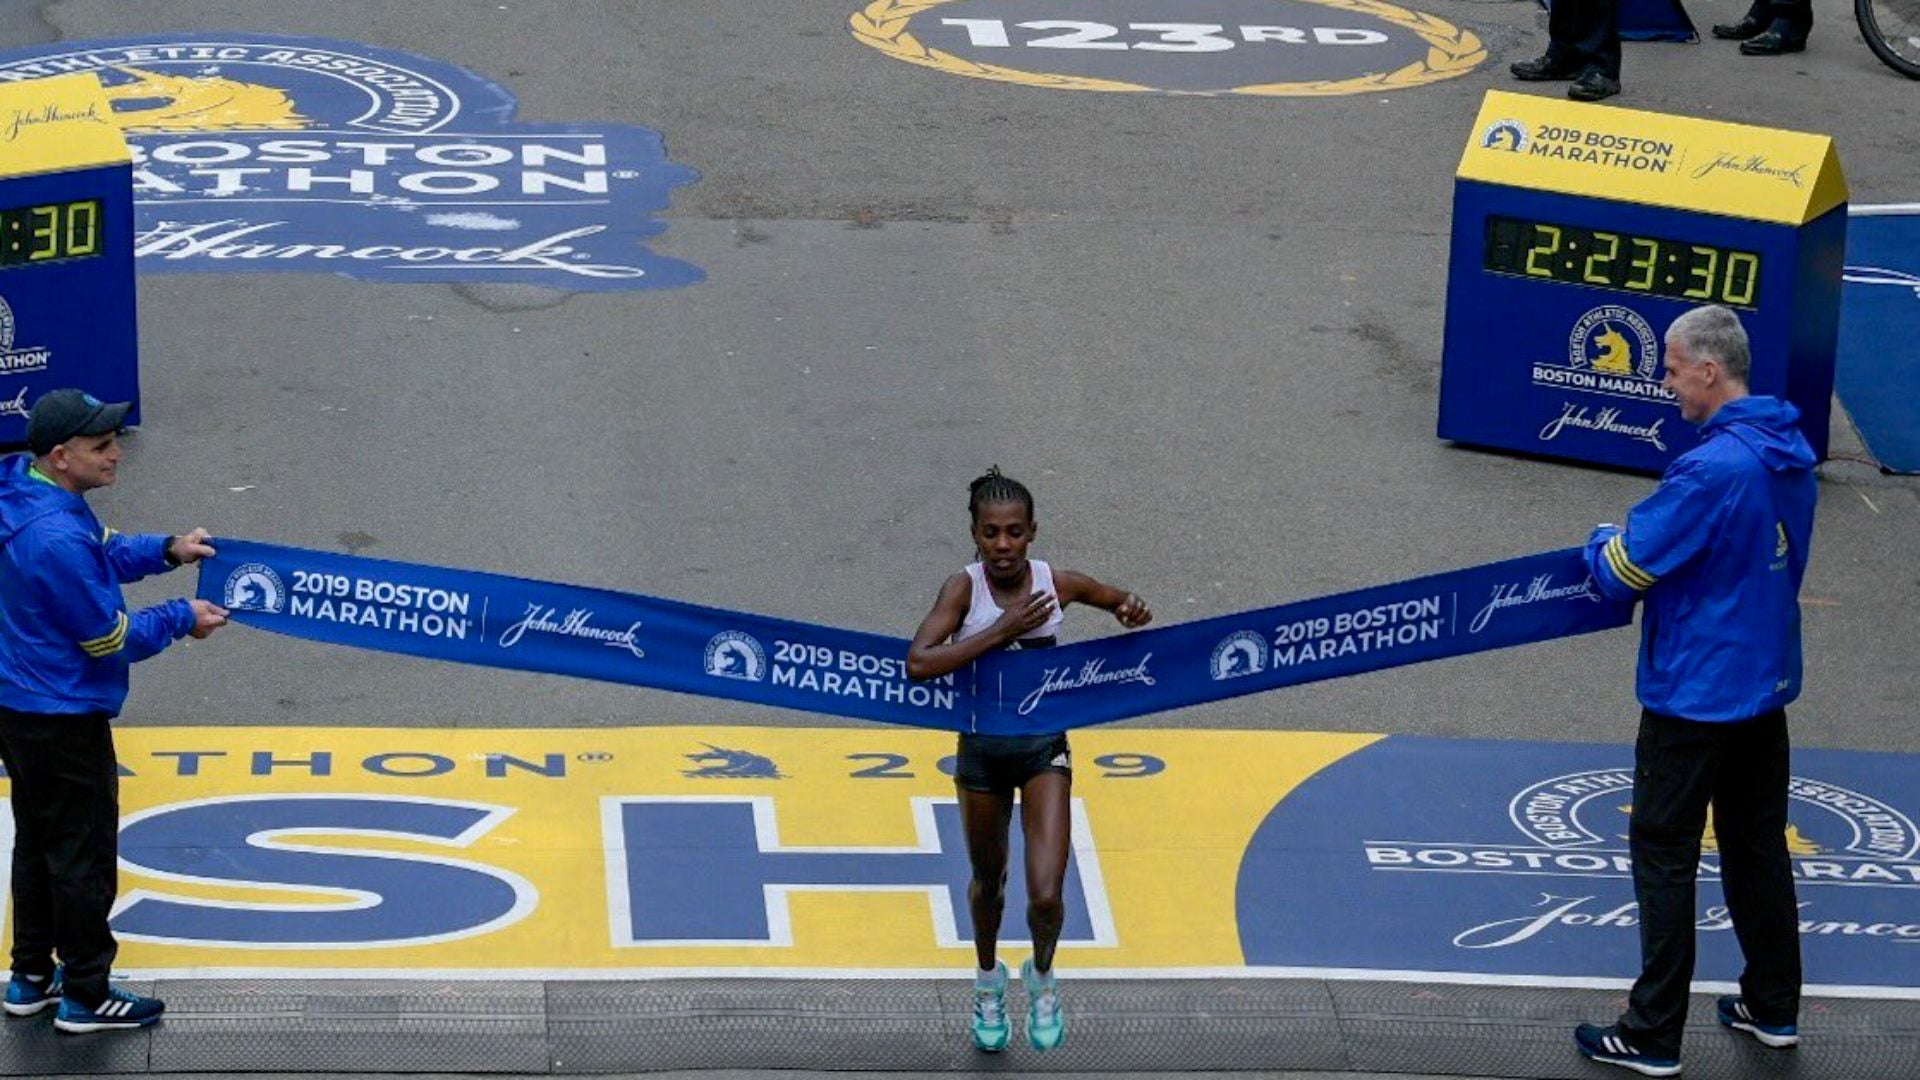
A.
x: 66, y: 290
x: 1557, y: 305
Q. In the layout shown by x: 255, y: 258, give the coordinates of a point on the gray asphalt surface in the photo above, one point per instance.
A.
x: 1206, y: 331
x: 799, y: 1075
x: 783, y: 1074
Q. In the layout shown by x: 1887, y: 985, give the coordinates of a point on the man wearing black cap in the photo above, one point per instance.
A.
x: 66, y: 642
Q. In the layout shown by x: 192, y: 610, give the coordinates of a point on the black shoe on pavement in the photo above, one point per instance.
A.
x: 1772, y: 43
x: 1543, y: 69
x: 1593, y: 86
x: 1751, y: 26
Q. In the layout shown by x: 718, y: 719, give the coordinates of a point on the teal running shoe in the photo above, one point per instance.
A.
x: 1046, y: 1023
x: 990, y: 1028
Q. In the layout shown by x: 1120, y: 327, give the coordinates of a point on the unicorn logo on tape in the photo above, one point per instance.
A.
x: 734, y: 655
x: 1239, y: 654
x: 254, y: 587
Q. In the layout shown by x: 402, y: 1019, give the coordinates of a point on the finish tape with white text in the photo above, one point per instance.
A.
x: 500, y: 621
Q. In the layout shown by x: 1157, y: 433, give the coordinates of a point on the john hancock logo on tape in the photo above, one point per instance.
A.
x: 1541, y: 589
x: 264, y: 152
x: 1091, y: 673
x: 577, y: 623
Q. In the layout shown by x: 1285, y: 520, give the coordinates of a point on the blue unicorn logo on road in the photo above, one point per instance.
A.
x: 716, y: 762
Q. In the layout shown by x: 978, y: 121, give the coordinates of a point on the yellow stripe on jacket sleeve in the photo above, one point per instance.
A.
x: 1624, y: 569
x: 108, y: 644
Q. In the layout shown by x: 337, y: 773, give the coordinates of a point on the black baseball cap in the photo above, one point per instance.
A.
x: 60, y: 415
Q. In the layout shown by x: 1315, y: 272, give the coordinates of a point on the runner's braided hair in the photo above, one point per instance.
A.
x: 995, y: 487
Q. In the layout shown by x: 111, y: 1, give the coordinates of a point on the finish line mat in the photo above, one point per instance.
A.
x: 675, y: 851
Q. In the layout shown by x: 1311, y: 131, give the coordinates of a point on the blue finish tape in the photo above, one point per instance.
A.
x: 500, y: 621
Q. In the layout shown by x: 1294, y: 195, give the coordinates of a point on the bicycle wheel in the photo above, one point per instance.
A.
x: 1892, y: 30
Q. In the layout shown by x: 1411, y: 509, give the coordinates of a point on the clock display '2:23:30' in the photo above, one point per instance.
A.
x: 1622, y: 261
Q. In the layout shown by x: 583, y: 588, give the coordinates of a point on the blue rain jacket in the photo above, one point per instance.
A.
x: 66, y: 640
x: 1718, y: 552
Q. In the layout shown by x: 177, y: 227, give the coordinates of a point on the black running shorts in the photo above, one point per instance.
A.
x: 1001, y: 764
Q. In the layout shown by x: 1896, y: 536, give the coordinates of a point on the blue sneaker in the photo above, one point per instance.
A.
x: 990, y: 1028
x: 1046, y: 1024
x: 122, y: 1009
x: 28, y: 996
x: 1734, y: 1014
x: 1610, y: 1046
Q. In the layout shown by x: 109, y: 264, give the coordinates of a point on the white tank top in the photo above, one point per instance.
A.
x: 982, y: 612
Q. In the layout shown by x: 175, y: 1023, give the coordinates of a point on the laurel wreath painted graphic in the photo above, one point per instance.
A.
x: 1451, y: 52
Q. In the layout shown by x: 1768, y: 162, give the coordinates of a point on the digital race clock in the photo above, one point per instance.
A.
x: 1605, y: 259
x: 50, y: 232
x: 1580, y: 232
x: 66, y: 249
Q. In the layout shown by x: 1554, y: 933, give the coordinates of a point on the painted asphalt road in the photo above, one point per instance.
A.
x: 1206, y: 331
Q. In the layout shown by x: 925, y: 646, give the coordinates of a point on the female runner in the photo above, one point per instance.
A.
x: 1006, y: 600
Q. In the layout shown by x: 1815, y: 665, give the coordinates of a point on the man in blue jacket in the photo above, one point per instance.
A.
x: 66, y: 642
x: 1717, y: 552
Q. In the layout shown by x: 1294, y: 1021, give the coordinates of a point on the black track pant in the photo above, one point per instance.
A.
x: 1585, y: 34
x: 1794, y: 18
x: 1680, y: 766
x: 66, y: 821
